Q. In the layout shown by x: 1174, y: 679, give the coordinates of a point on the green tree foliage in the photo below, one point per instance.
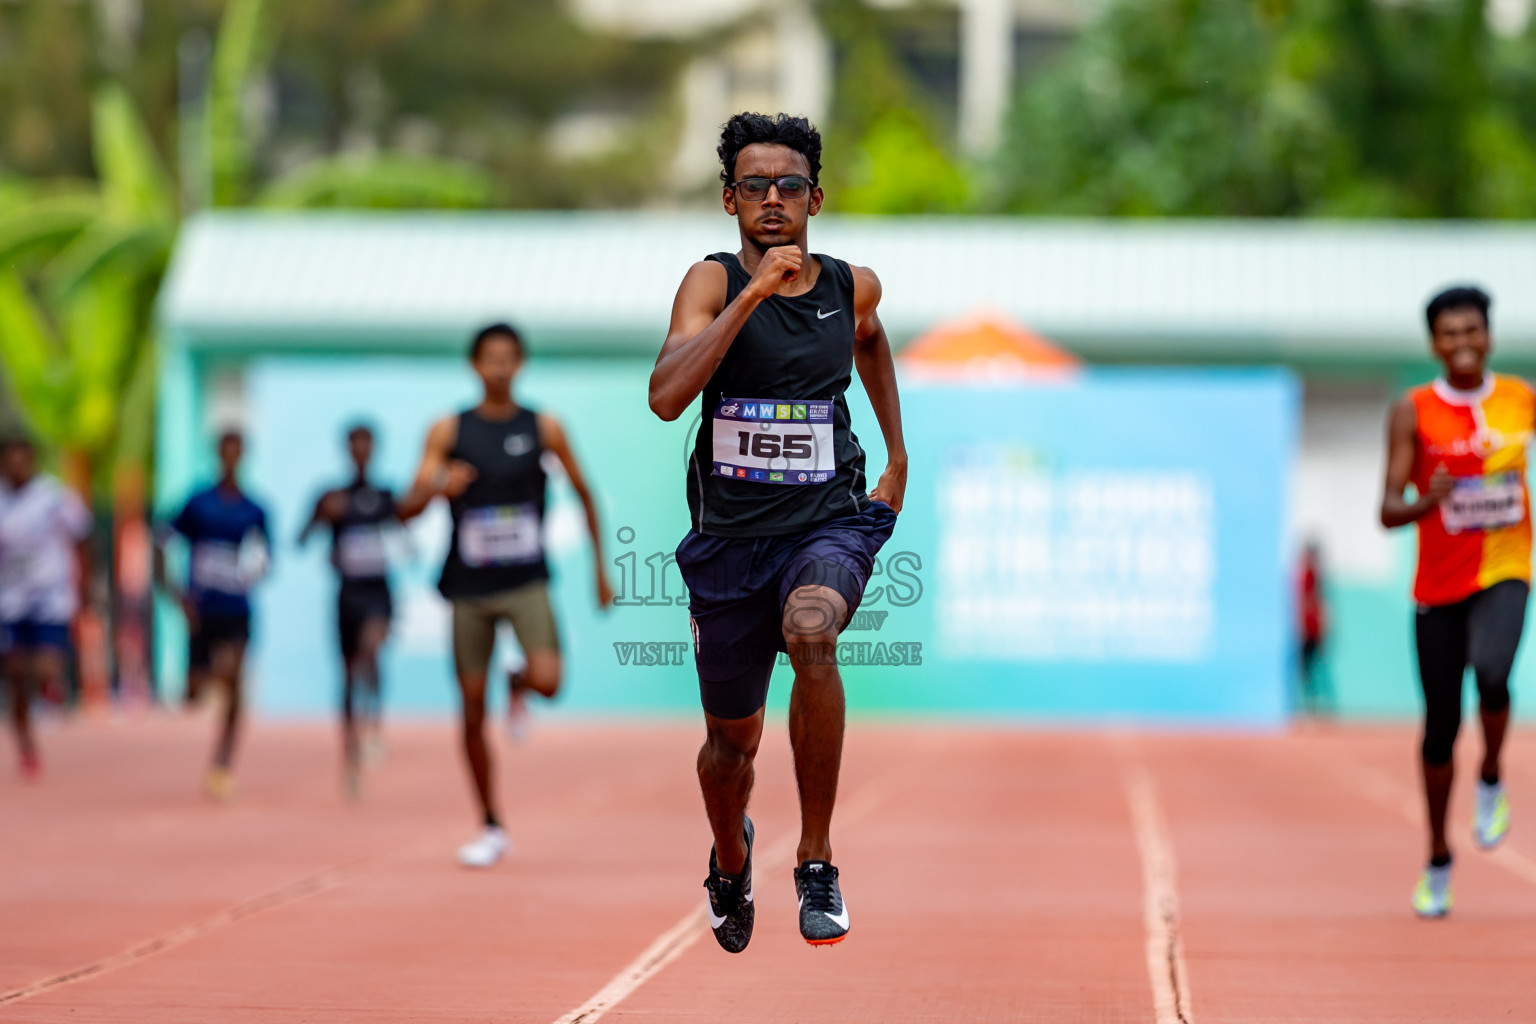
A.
x: 46, y: 64
x: 886, y: 126
x: 1279, y: 108
x: 381, y: 183
x: 79, y: 268
x: 293, y: 82
x: 237, y: 56
x: 81, y: 259
x: 898, y: 168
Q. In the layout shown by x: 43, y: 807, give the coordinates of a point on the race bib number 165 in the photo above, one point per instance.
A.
x: 774, y: 441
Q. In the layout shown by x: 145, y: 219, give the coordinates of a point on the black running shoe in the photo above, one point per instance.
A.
x: 823, y: 916
x: 730, y: 901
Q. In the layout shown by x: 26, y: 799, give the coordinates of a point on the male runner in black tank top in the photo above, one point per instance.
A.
x: 359, y: 516
x: 487, y: 461
x: 784, y: 536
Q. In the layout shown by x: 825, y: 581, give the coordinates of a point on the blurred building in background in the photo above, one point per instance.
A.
x: 781, y: 56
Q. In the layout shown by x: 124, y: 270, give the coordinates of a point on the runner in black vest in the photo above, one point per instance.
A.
x: 488, y: 462
x: 784, y: 535
x: 359, y: 516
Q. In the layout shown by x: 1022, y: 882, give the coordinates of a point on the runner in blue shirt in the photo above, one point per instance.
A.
x: 229, y: 553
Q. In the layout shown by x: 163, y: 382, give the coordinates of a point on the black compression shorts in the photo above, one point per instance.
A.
x: 1481, y: 632
x: 359, y: 602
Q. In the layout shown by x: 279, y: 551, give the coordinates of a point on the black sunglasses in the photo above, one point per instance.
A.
x: 791, y: 186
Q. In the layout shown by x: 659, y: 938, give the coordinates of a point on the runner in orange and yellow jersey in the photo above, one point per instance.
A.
x: 1461, y: 442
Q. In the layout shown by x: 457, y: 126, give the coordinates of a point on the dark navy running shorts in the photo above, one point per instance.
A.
x: 213, y: 631
x: 357, y: 603
x: 33, y: 635
x: 737, y: 588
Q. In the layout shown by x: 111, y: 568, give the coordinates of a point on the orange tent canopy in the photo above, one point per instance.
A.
x: 987, y: 344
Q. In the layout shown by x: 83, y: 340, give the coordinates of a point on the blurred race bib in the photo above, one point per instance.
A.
x: 1491, y: 502
x: 216, y: 566
x: 361, y: 552
x: 500, y: 535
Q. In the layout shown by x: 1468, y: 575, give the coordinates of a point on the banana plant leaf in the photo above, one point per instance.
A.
x: 40, y: 227
x: 381, y: 182
x: 134, y: 183
x: 33, y: 362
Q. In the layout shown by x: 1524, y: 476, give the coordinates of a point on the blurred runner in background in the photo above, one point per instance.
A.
x: 45, y: 572
x: 1461, y: 442
x: 359, y: 516
x: 1312, y: 629
x: 230, y: 548
x: 489, y: 463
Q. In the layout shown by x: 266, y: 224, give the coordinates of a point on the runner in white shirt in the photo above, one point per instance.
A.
x: 44, y: 570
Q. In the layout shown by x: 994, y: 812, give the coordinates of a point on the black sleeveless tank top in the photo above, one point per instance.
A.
x: 774, y: 453
x: 358, y: 550
x: 498, y: 522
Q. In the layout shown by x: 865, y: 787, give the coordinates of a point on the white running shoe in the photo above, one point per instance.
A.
x: 485, y: 850
x: 372, y: 747
x: 1432, y: 896
x: 1492, y: 820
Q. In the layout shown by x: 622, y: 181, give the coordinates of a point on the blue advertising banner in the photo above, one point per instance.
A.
x: 1111, y: 546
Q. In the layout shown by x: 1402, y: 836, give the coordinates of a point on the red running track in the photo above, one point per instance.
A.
x: 992, y: 875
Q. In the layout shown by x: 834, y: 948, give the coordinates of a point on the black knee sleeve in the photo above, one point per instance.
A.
x: 1494, y: 624
x: 1439, y: 738
x: 1492, y: 696
x: 1442, y: 649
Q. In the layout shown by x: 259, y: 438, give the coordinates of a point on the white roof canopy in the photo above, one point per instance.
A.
x: 1233, y: 290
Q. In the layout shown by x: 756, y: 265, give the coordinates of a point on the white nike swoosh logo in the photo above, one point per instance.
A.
x: 841, y: 920
x: 716, y: 922
x: 822, y: 316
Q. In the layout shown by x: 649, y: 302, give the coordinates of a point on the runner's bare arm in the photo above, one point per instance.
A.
x: 162, y: 577
x: 324, y: 513
x: 433, y: 476
x: 263, y: 567
x: 552, y: 436
x: 877, y: 371
x: 703, y: 326
x: 1402, y: 446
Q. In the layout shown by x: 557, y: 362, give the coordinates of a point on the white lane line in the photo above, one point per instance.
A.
x: 320, y: 881
x: 1160, y: 905
x: 676, y: 941
x: 1387, y: 791
x: 327, y: 879
x: 670, y: 945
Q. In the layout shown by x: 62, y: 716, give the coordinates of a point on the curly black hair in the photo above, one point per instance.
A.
x: 1458, y: 297
x: 497, y: 330
x: 745, y: 129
